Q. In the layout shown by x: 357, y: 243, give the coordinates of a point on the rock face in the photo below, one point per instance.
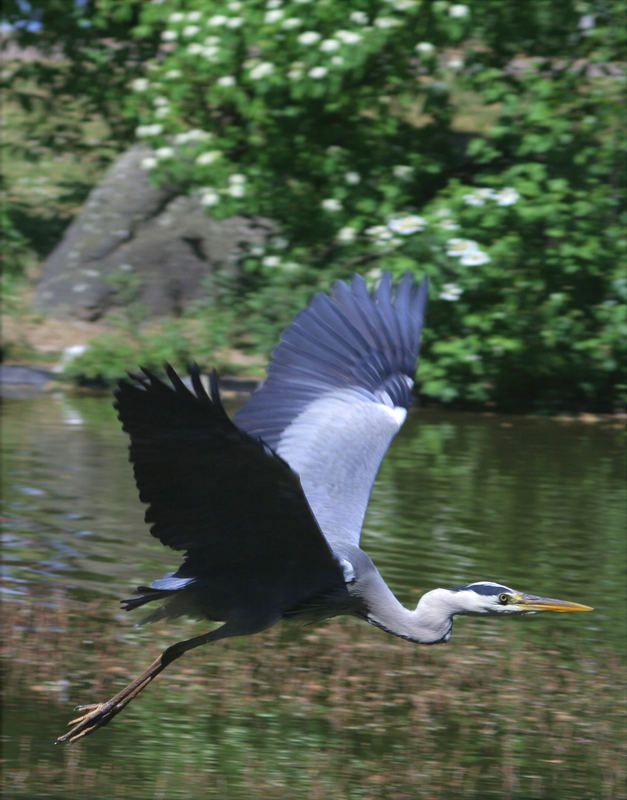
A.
x: 134, y: 242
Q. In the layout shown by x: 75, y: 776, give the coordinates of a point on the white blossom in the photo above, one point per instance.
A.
x: 379, y: 232
x: 458, y: 10
x: 273, y: 16
x: 261, y: 70
x: 291, y: 23
x: 407, y: 224
x: 309, y: 37
x: 456, y: 63
x: 337, y: 61
x: 460, y: 247
x: 448, y: 225
x: 216, y: 20
x: 237, y: 190
x: 352, y: 178
x: 403, y: 5
x: 142, y: 131
x: 164, y: 152
x: 451, y: 291
x: 506, y: 196
x: 162, y: 111
x: 191, y: 30
x: 208, y: 157
x: 331, y: 204
x: 169, y: 36
x: 194, y: 16
x: 274, y: 3
x: 424, y: 48
x: 348, y: 37
x: 474, y: 258
x: 209, y: 196
x: 296, y: 72
x: 176, y: 17
x: 211, y: 52
x: 195, y: 49
x: 160, y: 101
x: 235, y: 5
x: 271, y: 261
x: 279, y: 242
x: 226, y: 80
x: 329, y: 45
x: 149, y: 162
x: 478, y: 197
x: 172, y: 74
x: 140, y: 84
x: 317, y: 72
x: 237, y: 178
x: 192, y: 135
x: 235, y: 22
x: 346, y: 234
x: 386, y: 22
x: 402, y: 171
x: 359, y: 17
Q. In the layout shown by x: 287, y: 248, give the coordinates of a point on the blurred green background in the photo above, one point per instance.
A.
x: 478, y: 144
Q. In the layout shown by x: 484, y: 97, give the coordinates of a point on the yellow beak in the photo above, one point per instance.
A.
x: 529, y: 602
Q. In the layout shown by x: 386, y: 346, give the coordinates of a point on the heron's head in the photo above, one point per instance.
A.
x: 485, y: 597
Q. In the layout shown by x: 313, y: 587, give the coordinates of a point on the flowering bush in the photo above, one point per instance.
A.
x: 344, y: 123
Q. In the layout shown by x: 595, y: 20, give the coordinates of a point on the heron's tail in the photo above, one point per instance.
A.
x: 147, y: 595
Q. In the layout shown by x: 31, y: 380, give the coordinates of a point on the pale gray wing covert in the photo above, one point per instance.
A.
x: 337, y: 391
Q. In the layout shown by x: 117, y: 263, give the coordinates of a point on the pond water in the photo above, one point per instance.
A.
x: 526, y: 708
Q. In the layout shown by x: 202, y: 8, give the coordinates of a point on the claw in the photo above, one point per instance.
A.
x: 89, y: 709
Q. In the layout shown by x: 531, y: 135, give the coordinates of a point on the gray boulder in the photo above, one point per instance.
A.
x: 137, y: 243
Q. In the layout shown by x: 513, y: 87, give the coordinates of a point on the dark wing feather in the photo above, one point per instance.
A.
x: 234, y: 506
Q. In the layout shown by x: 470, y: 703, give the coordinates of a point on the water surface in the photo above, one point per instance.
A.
x: 509, y: 708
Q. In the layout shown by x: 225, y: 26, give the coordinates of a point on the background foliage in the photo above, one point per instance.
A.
x: 477, y: 144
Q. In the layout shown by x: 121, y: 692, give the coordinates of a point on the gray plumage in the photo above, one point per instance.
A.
x: 269, y: 509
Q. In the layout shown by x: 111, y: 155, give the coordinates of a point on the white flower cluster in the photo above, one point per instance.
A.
x: 192, y: 135
x: 274, y: 261
x: 211, y: 196
x: 407, y: 224
x: 331, y: 204
x: 261, y: 70
x: 451, y: 291
x: 143, y: 131
x: 458, y: 11
x: 387, y: 236
x: 504, y: 197
x: 467, y: 251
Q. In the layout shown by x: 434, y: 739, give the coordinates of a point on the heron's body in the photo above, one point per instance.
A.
x: 268, y: 509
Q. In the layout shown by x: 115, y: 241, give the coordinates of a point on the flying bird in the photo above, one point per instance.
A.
x: 268, y: 509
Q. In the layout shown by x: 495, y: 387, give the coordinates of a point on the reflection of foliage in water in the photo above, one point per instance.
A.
x: 340, y: 711
x: 521, y: 709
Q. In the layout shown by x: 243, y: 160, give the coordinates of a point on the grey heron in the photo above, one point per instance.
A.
x: 268, y: 508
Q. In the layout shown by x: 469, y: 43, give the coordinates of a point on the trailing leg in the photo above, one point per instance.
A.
x: 98, y: 714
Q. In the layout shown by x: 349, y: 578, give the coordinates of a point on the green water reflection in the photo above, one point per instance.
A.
x: 525, y: 709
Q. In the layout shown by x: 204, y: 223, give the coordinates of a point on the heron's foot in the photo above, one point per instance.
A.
x: 96, y: 715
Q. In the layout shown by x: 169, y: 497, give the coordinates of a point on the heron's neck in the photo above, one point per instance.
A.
x: 430, y: 622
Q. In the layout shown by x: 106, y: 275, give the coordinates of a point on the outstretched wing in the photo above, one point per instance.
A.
x: 212, y: 490
x: 337, y: 392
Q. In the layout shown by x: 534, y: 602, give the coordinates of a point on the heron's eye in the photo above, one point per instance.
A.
x: 503, y: 599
